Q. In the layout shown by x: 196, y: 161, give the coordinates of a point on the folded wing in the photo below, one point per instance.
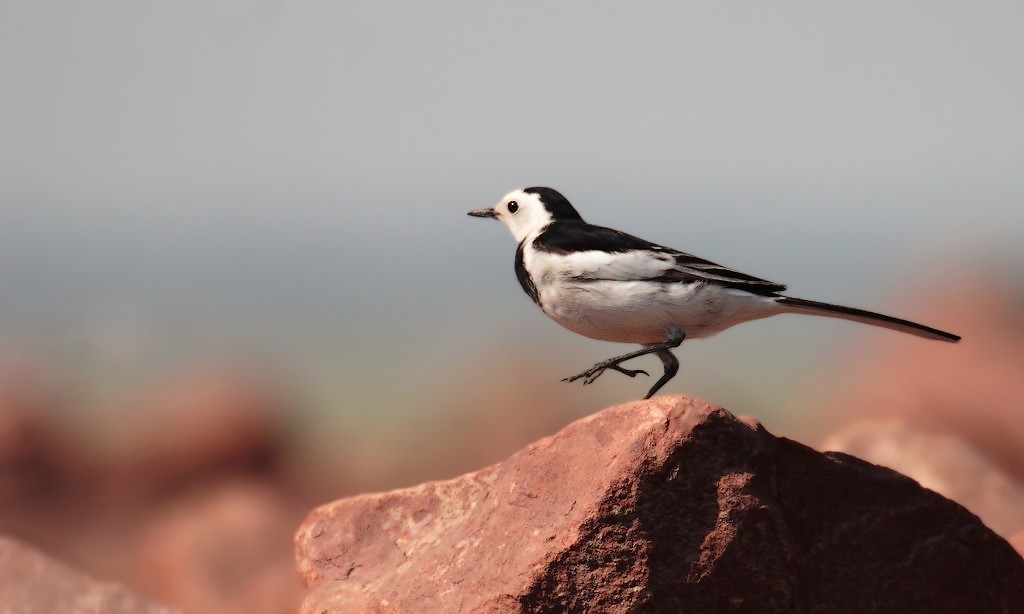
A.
x: 598, y: 253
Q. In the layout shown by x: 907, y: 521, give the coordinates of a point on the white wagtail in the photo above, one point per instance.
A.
x: 608, y: 285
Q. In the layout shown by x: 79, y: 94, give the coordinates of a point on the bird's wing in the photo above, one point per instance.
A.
x: 598, y: 253
x: 689, y: 268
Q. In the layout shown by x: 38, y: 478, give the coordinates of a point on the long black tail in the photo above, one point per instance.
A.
x: 799, y: 305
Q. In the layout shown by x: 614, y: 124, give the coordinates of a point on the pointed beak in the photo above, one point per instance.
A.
x: 484, y: 213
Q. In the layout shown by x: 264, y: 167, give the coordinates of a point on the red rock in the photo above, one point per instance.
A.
x: 663, y: 505
x: 1017, y: 541
x: 41, y: 464
x: 202, y: 426
x: 972, y: 389
x: 222, y: 552
x: 940, y: 461
x: 31, y: 582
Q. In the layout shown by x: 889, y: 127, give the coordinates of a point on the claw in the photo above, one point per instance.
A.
x: 629, y: 372
x: 597, y: 370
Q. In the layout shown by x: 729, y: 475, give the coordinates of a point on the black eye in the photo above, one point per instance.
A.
x: 513, y: 206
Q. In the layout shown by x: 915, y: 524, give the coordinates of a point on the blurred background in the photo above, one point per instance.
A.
x: 237, y: 279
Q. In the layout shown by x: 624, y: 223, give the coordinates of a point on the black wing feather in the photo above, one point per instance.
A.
x: 565, y: 237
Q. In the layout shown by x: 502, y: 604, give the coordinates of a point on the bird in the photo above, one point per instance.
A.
x: 612, y: 286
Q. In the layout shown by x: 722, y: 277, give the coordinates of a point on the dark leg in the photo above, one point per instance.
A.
x: 661, y: 349
x: 671, y: 368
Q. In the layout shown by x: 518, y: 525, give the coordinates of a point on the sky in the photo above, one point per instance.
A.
x: 292, y: 178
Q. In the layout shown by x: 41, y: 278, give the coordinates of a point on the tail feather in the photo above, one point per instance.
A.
x: 799, y: 305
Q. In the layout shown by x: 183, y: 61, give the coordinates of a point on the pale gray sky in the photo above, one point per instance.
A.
x: 312, y: 161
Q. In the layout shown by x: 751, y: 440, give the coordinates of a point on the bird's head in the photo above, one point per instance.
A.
x: 526, y: 212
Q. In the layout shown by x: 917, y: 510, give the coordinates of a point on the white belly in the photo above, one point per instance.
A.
x: 642, y: 312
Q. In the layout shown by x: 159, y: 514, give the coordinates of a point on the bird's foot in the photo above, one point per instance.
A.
x: 597, y: 370
x: 629, y: 372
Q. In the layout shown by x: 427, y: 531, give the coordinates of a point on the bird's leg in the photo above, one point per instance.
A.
x: 595, y: 372
x: 671, y: 368
x: 675, y: 337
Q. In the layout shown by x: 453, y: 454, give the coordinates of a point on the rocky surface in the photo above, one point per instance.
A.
x: 199, y: 426
x: 220, y: 552
x: 32, y: 583
x: 971, y: 389
x: 940, y: 461
x: 187, y: 488
x: 663, y: 505
x: 947, y: 415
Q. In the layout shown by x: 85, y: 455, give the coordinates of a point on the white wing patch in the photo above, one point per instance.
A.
x: 599, y: 265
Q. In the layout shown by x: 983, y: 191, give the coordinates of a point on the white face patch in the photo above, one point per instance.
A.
x: 523, y: 213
